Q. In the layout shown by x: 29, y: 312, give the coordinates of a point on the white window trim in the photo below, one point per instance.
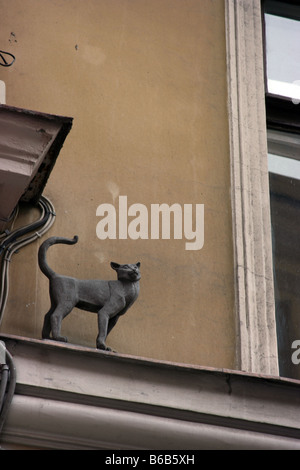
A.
x: 255, y: 306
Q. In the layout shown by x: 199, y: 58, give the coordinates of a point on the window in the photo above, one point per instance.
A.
x: 282, y: 73
x: 283, y: 56
x: 284, y: 177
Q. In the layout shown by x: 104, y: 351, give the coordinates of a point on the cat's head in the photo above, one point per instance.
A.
x: 129, y: 272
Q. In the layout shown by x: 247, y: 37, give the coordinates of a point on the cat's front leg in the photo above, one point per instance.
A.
x: 103, y: 319
x: 107, y: 318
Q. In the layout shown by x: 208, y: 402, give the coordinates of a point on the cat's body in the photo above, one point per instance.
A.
x: 109, y: 299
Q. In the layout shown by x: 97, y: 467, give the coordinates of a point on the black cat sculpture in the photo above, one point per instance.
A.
x: 109, y: 299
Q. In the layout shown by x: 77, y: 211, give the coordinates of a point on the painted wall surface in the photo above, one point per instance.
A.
x: 145, y: 81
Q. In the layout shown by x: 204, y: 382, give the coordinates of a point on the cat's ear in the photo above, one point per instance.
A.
x: 114, y: 265
x: 138, y: 264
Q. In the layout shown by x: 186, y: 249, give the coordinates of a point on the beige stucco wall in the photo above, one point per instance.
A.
x: 145, y: 81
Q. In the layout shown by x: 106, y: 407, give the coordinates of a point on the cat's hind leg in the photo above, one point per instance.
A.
x: 60, y: 312
x: 46, y: 331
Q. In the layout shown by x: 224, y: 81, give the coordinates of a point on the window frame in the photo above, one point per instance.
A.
x: 255, y: 306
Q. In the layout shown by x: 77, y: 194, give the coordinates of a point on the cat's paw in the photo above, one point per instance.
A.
x: 63, y: 339
x: 110, y: 350
x: 103, y: 347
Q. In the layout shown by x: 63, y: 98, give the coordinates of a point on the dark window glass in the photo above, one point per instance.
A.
x: 282, y: 71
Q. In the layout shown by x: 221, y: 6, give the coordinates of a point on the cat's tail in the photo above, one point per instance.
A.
x: 44, y: 267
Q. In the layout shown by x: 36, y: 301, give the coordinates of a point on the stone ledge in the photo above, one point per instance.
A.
x: 240, y: 410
